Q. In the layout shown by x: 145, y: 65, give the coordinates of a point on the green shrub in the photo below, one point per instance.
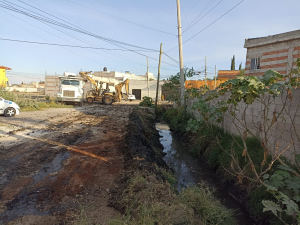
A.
x: 177, y: 119
x: 147, y: 102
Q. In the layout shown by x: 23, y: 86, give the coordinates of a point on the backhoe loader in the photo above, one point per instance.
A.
x: 105, y: 97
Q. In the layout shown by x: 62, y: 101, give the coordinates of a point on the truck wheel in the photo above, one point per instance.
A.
x: 9, y: 112
x: 107, y: 100
x: 90, y: 100
x: 81, y: 104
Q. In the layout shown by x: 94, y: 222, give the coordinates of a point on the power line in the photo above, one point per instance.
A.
x: 121, y: 19
x: 93, y: 46
x: 194, y: 23
x: 72, y: 46
x: 209, y: 25
x: 57, y: 23
x: 49, y: 20
x: 86, y: 43
x: 46, y: 39
x: 203, y: 10
x: 138, y: 14
x: 192, y: 9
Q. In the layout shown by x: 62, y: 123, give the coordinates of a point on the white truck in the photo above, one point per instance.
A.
x: 70, y: 89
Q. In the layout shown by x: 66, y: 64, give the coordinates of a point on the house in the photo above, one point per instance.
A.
x: 3, y: 78
x: 201, y: 83
x: 275, y: 52
x: 225, y: 75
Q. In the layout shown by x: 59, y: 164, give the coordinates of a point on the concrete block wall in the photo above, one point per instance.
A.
x: 51, y: 85
x: 283, y: 134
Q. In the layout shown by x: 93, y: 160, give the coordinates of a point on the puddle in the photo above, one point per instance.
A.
x: 52, y: 167
x: 190, y: 171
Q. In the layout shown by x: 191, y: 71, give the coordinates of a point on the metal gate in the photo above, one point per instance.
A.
x: 137, y: 93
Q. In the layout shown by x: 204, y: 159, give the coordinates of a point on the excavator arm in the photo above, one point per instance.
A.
x: 85, y: 75
x: 119, y: 87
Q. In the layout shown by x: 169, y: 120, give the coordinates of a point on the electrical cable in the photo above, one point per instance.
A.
x: 57, y: 23
x: 121, y: 19
x: 49, y: 20
x: 192, y: 9
x: 86, y: 43
x: 72, y: 46
x: 193, y: 24
x: 209, y: 24
x: 138, y: 14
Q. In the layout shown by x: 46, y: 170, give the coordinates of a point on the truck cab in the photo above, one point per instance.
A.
x: 70, y: 89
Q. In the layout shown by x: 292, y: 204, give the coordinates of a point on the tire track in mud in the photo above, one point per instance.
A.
x: 39, y: 180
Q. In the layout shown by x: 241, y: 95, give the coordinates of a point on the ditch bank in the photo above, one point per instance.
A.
x: 207, y: 149
x: 145, y: 192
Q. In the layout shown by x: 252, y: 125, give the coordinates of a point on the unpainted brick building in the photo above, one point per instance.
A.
x: 275, y: 52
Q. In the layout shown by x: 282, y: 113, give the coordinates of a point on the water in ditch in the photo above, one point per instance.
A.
x: 190, y: 171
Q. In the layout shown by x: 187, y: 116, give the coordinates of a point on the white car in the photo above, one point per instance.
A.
x: 8, y: 108
x: 131, y: 97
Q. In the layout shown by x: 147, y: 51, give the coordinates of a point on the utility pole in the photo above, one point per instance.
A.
x: 215, y: 76
x: 157, y: 88
x: 182, y: 81
x: 205, y: 71
x: 148, y: 78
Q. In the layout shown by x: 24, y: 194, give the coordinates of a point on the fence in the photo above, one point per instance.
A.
x: 276, y: 121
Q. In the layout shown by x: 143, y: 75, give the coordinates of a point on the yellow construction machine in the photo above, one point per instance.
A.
x: 105, y: 97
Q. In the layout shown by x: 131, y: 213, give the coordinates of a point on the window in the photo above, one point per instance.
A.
x: 71, y: 82
x: 255, y: 64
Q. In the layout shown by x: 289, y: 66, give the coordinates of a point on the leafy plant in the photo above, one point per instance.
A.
x: 173, y: 84
x: 146, y: 102
x: 211, y: 108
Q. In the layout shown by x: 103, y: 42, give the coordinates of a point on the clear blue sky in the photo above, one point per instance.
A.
x: 123, y: 21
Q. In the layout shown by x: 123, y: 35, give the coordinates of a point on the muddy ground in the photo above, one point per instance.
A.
x: 58, y: 166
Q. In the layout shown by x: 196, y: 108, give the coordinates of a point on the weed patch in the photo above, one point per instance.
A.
x: 28, y: 104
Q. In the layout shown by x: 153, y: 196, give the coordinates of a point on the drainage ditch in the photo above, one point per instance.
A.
x: 190, y: 171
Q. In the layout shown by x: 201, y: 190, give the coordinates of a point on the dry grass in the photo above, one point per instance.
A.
x: 148, y: 200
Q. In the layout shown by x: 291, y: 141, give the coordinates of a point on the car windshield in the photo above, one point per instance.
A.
x: 71, y: 82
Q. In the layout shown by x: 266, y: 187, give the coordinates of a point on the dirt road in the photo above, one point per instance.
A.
x: 57, y: 166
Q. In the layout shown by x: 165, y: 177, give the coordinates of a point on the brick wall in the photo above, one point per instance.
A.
x: 279, y: 56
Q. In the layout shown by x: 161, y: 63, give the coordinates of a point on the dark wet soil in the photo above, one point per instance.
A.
x: 190, y: 171
x: 143, y: 152
x: 64, y: 175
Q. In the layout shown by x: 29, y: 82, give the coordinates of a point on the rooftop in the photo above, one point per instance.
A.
x: 228, y: 73
x: 271, y: 39
x: 6, y: 68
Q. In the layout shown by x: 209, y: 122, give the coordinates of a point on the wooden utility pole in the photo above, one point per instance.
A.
x: 157, y: 87
x: 182, y: 81
x: 148, y: 78
x: 215, y: 76
x: 205, y: 71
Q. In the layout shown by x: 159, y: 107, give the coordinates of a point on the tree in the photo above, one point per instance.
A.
x: 240, y: 67
x: 173, y: 84
x: 233, y: 63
